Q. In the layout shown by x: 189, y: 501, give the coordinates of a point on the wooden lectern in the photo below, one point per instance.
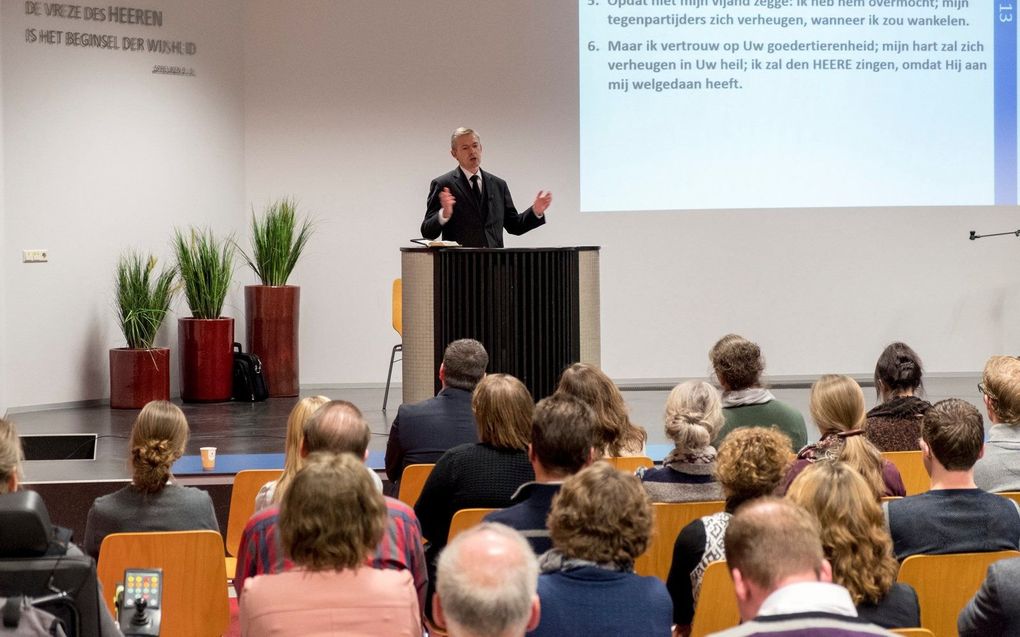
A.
x: 536, y: 310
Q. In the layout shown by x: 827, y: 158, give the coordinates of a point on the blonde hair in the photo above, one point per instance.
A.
x: 837, y: 406
x: 332, y: 516
x: 1001, y: 379
x: 854, y: 535
x: 601, y: 515
x: 158, y: 438
x: 615, y: 433
x: 10, y: 454
x: 293, y: 461
x: 693, y: 415
x: 503, y: 409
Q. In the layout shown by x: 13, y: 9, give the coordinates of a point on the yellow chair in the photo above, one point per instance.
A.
x: 912, y: 632
x: 717, y: 603
x: 630, y: 464
x: 1012, y: 495
x: 945, y: 583
x: 412, y: 481
x: 397, y: 318
x: 911, y: 468
x: 465, y: 519
x: 669, y: 518
x: 194, y: 580
x: 242, y: 505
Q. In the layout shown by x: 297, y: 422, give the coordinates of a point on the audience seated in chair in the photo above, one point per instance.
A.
x: 895, y: 424
x: 856, y: 542
x: 424, y: 431
x: 693, y: 418
x: 837, y: 407
x: 562, y: 443
x: 600, y: 522
x: 999, y: 468
x: 272, y: 492
x: 751, y: 463
x: 738, y: 365
x: 486, y: 584
x: 152, y: 502
x: 995, y: 609
x: 954, y: 516
x: 336, y: 427
x: 782, y: 580
x: 481, y: 475
x: 32, y: 542
x: 616, y: 434
x: 331, y: 520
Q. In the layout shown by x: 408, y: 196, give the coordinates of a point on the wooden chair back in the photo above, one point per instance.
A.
x: 945, y: 583
x: 911, y: 468
x: 465, y: 519
x: 242, y: 502
x: 630, y: 464
x: 412, y: 481
x: 1012, y: 495
x: 397, y: 305
x: 194, y: 580
x: 717, y: 603
x: 668, y: 519
x: 912, y: 632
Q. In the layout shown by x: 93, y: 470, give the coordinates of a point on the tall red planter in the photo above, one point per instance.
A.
x: 271, y: 315
x: 207, y: 359
x: 138, y: 376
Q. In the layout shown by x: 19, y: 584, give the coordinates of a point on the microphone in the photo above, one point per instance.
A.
x: 973, y: 235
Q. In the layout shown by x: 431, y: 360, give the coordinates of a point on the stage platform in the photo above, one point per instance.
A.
x: 251, y: 436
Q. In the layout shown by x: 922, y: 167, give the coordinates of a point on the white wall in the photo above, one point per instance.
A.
x: 102, y: 155
x: 349, y: 107
x: 3, y: 256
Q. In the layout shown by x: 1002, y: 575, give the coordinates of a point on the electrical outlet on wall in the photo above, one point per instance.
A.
x: 35, y: 256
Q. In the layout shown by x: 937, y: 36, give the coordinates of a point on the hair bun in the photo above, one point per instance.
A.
x: 905, y: 369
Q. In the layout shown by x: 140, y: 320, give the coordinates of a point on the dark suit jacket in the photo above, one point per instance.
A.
x: 995, y: 609
x: 470, y: 225
x: 422, y: 432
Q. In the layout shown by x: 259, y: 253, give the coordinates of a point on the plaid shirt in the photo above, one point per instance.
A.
x: 401, y: 547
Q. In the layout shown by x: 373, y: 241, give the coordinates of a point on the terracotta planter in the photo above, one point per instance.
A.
x: 271, y: 317
x: 138, y: 376
x: 207, y: 359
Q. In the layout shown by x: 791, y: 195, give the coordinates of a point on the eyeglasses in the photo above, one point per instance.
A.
x: 983, y: 390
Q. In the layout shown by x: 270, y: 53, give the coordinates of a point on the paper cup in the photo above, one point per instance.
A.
x: 208, y: 458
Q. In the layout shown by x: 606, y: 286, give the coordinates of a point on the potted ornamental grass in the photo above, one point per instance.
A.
x: 140, y: 373
x: 272, y: 309
x: 205, y: 266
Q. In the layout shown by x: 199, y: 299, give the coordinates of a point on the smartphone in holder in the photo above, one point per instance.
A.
x: 142, y: 601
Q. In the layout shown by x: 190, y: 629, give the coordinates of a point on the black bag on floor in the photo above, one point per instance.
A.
x: 249, y: 383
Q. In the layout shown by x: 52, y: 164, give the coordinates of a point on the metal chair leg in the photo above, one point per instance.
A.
x: 399, y: 347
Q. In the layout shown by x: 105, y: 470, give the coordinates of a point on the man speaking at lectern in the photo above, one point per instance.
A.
x: 470, y: 206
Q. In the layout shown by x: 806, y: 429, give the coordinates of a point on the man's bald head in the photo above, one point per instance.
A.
x: 337, y: 427
x: 486, y: 585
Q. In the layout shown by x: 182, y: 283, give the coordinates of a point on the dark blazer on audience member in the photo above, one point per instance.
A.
x: 995, y: 609
x: 472, y: 225
x: 532, y: 503
x: 173, y: 508
x: 898, y: 609
x: 424, y: 431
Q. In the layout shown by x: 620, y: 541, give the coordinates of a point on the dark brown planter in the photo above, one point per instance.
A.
x: 138, y: 376
x: 271, y: 317
x: 207, y: 359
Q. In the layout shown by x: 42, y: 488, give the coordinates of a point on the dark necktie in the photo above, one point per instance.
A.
x: 476, y: 190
